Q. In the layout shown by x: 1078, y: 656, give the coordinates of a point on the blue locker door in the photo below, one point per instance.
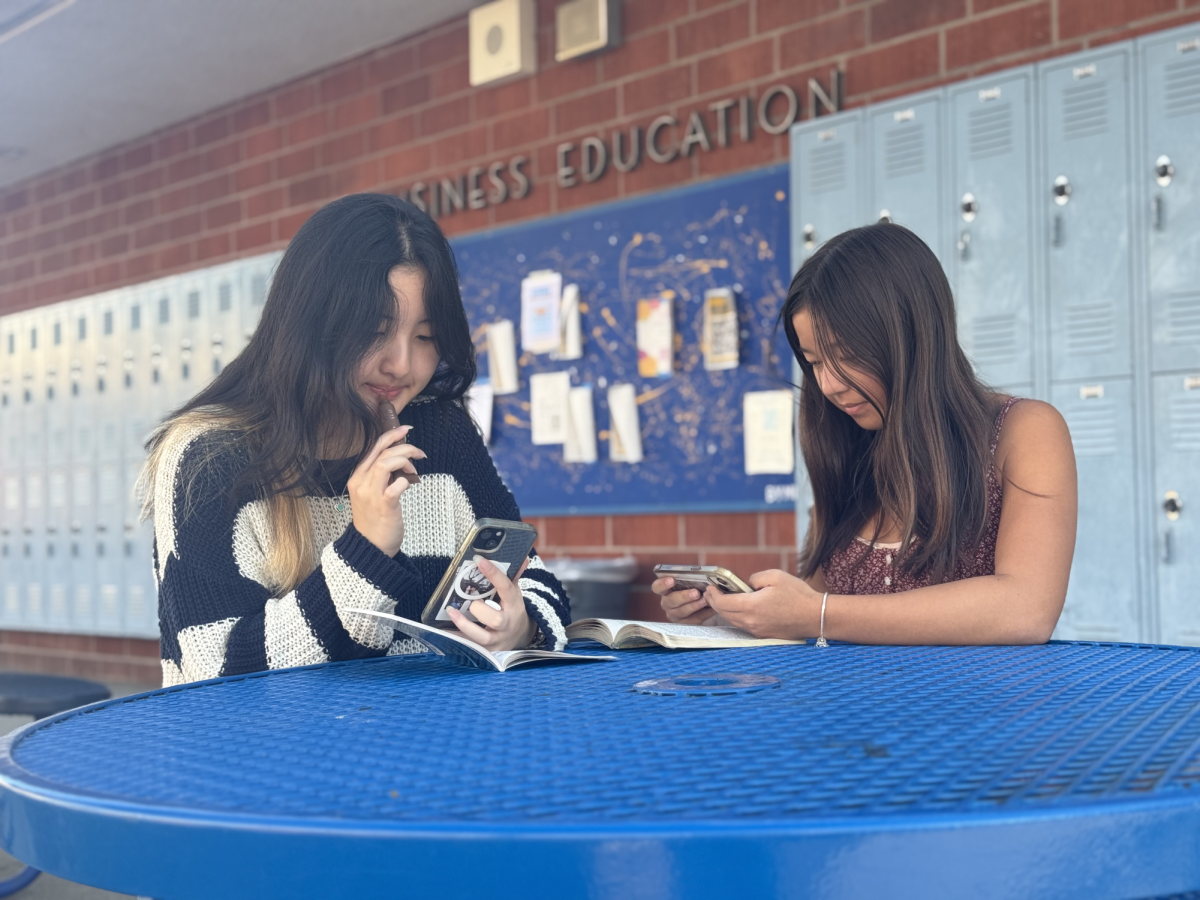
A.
x: 906, y: 166
x: 1168, y: 175
x: 1177, y: 497
x: 1102, y: 600
x: 1085, y: 197
x: 825, y: 177
x: 991, y: 266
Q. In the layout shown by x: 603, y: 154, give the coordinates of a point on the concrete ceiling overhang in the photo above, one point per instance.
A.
x: 79, y: 76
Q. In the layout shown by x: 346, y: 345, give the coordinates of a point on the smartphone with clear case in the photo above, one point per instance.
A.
x: 506, y: 543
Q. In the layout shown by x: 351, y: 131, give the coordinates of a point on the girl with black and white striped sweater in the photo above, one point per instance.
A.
x: 275, y: 512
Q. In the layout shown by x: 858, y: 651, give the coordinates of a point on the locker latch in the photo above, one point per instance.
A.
x: 810, y: 236
x: 970, y: 207
x: 1172, y: 505
x: 1062, y: 190
x: 1163, y: 170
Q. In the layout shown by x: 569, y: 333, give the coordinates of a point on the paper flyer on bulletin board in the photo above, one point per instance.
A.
x: 729, y: 236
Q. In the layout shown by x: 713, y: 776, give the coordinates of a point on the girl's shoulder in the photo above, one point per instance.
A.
x: 195, y: 457
x: 1030, y: 428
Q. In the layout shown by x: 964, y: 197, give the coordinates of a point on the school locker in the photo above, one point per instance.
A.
x: 1176, y: 496
x: 989, y: 203
x: 1105, y: 585
x: 906, y: 166
x: 826, y: 180
x: 1085, y: 197
x: 1167, y: 169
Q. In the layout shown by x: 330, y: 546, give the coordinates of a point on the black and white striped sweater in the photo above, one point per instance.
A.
x: 218, y: 617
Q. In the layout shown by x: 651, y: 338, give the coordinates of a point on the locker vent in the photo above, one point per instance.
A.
x: 904, y: 151
x: 1183, y: 320
x: 993, y: 339
x: 1183, y: 87
x: 990, y: 130
x: 1085, y: 109
x: 827, y: 168
x: 1185, y: 424
x: 1093, y: 425
x: 58, y: 603
x: 1091, y: 329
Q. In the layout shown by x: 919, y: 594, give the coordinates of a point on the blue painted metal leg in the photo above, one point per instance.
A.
x: 22, y: 879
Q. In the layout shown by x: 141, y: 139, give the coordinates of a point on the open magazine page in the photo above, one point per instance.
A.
x: 456, y: 648
x: 668, y: 634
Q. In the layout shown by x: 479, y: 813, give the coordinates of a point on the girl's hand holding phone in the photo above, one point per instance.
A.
x: 688, y: 607
x: 781, y: 606
x: 506, y: 628
x: 375, y: 498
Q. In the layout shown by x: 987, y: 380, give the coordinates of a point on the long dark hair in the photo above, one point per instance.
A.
x: 330, y: 305
x: 879, y: 296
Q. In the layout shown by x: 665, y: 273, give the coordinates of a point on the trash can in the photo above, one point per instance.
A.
x: 597, y: 588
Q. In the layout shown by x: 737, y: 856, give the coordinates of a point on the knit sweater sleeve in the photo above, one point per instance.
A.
x: 218, y: 616
x: 545, y: 599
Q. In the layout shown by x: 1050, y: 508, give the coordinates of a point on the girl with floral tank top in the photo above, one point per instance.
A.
x: 943, y: 512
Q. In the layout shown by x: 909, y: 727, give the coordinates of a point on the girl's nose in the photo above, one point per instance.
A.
x: 395, y: 359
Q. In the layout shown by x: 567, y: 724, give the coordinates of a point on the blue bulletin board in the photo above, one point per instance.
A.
x: 728, y: 233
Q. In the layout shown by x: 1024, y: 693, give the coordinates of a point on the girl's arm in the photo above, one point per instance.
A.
x: 1020, y: 604
x: 218, y: 617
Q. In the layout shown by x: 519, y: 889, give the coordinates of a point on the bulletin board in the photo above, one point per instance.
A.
x: 730, y: 233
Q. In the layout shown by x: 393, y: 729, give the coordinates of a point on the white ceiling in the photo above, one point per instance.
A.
x: 79, y: 76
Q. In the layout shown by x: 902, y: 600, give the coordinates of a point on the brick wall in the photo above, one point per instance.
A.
x: 240, y: 180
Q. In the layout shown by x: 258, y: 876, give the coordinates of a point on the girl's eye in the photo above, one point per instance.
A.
x: 425, y: 338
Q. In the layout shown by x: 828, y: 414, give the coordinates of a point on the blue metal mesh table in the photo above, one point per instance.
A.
x: 1068, y: 770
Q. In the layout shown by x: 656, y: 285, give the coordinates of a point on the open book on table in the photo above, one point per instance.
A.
x: 458, y: 649
x: 620, y: 634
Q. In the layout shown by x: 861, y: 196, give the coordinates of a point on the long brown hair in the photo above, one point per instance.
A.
x: 329, y: 306
x: 880, y: 302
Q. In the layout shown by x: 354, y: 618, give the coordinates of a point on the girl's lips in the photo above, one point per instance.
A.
x: 385, y: 392
x: 854, y: 409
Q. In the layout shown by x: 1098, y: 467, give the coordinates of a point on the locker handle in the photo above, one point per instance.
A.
x: 964, y: 243
x: 1057, y: 237
x: 1166, y: 553
x: 1158, y: 212
x: 1163, y: 170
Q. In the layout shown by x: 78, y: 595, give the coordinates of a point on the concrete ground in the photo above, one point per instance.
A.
x: 48, y: 887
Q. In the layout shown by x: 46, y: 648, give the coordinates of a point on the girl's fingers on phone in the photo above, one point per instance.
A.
x: 470, y: 630
x: 662, y: 586
x: 487, y: 615
x: 680, y: 598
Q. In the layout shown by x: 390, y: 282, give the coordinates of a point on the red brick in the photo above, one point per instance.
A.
x: 308, y: 128
x: 981, y: 6
x: 440, y: 48
x: 53, y: 262
x: 224, y: 215
x: 111, y: 246
x: 222, y: 156
x: 504, y: 99
x: 822, y: 40
x: 444, y: 116
x: 736, y: 67
x: 999, y: 35
x: 114, y: 192
x: 342, y: 83
x: 412, y: 163
x: 721, y: 529
x: 561, y: 79
x: 107, y: 274
x: 296, y: 100
x: 657, y: 90
x: 779, y: 529
x: 390, y: 65
x: 183, y: 226
x: 356, y: 111
x: 584, y: 194
x: 407, y: 94
x: 297, y: 163
x: 645, y: 531
x: 342, y: 149
x: 254, y: 175
x: 214, y: 188
x: 176, y: 257
x: 574, y: 531
x: 893, y: 18
x: 185, y: 169
x: 646, y: 607
x: 253, y: 236
x: 772, y: 14
x: 253, y: 116
x: 638, y: 54
x: 51, y: 213
x: 212, y: 130
x: 136, y: 157
x: 647, y: 562
x: 464, y: 222
x: 261, y: 142
x: 172, y: 144
x: 144, y: 182
x: 107, y: 167
x: 892, y: 66
x: 287, y: 226
x: 1077, y: 18
x: 587, y: 111
x: 212, y: 246
x: 139, y: 268
x: 738, y: 156
x: 392, y: 133
x: 264, y: 203
x: 309, y: 190
x: 744, y: 563
x: 178, y: 199
x: 642, y: 15
x: 49, y: 188
x: 1134, y: 31
x: 138, y: 212
x: 154, y: 233
x: 470, y: 144
x: 717, y: 29
x: 361, y: 176
x: 451, y: 79
x: 515, y: 131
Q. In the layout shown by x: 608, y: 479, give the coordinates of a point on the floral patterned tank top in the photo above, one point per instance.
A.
x: 862, y: 568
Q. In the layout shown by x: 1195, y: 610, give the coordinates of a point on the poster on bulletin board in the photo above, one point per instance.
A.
x: 672, y: 249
